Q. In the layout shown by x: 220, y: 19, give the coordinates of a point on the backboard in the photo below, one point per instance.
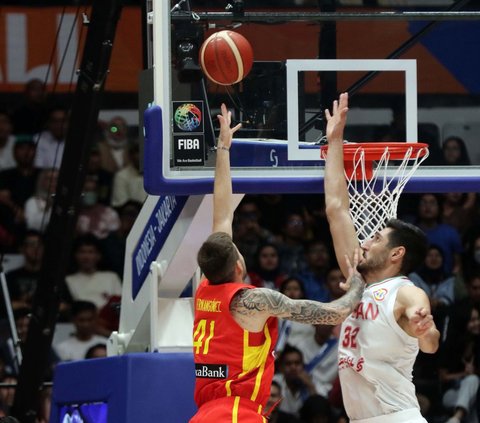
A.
x: 409, y: 80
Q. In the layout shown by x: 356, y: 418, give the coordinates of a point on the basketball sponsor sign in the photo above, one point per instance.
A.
x: 211, y: 371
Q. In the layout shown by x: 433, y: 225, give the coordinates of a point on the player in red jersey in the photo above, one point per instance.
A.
x: 235, y: 327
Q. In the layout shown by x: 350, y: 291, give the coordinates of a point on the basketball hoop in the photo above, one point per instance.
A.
x: 376, y: 174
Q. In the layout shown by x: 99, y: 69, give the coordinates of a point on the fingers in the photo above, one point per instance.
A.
x: 343, y: 100
x: 349, y: 263
x: 339, y: 107
x: 356, y: 257
x: 236, y: 128
x: 422, y: 312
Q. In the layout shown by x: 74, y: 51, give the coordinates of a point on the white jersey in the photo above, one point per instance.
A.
x: 376, y: 357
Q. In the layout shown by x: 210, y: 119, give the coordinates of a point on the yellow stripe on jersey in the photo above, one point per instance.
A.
x: 235, y: 410
x: 255, y: 358
x: 227, y: 387
x: 210, y: 336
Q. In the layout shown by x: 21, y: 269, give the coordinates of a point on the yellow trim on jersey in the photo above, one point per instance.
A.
x: 227, y: 387
x: 210, y: 336
x: 255, y: 358
x: 236, y: 404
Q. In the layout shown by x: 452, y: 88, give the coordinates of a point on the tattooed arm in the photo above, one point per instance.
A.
x: 252, y: 307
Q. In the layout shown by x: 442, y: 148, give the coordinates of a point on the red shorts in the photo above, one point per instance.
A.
x: 231, y: 410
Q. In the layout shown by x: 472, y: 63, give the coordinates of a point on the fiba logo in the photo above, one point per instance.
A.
x: 188, y: 117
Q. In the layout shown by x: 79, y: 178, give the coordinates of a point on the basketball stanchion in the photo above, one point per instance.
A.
x: 376, y: 174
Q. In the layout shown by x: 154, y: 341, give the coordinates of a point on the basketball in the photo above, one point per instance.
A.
x: 226, y: 57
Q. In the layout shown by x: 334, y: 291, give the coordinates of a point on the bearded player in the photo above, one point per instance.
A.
x: 380, y: 340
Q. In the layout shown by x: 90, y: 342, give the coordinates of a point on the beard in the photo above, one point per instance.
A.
x: 373, y: 263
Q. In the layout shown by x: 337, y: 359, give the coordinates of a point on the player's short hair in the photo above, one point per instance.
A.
x: 217, y: 258
x: 413, y: 239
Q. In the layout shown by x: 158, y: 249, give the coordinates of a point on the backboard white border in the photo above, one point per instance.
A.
x: 304, y: 65
x: 162, y: 71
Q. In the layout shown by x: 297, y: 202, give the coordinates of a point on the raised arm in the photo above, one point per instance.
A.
x: 222, y: 187
x: 337, y: 202
x: 252, y: 307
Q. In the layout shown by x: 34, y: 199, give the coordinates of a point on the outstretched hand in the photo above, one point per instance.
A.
x: 226, y: 133
x: 337, y: 119
x: 420, y: 322
x: 353, y: 274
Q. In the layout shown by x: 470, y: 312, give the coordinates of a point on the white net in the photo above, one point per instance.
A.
x: 374, y: 193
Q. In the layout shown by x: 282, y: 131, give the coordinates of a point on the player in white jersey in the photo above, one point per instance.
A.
x: 380, y: 340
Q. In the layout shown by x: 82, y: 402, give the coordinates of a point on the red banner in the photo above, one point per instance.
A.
x: 30, y: 48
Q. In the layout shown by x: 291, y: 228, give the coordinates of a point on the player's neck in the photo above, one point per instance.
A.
x: 379, y: 275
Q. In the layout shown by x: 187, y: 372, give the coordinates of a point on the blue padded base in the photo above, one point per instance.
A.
x: 147, y: 387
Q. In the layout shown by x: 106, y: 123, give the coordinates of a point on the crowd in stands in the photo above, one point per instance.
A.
x: 286, y: 244
x: 32, y: 140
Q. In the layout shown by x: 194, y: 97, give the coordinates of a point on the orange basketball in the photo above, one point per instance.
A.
x: 226, y: 57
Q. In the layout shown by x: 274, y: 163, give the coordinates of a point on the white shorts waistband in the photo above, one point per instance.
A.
x: 412, y: 415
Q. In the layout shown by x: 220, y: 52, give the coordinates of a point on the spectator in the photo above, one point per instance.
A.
x: 89, y: 283
x: 7, y: 396
x: 275, y: 415
x: 7, y: 141
x: 316, y: 409
x: 471, y: 258
x: 103, y: 178
x: 31, y: 116
x: 51, y: 141
x: 248, y: 235
x: 432, y: 279
x: 290, y: 332
x: 441, y: 234
x: 292, y: 255
x: 472, y: 283
x: 441, y: 293
x: 95, y: 218
x: 38, y: 208
x: 313, y: 277
x: 333, y: 278
x: 18, y: 183
x: 114, y: 244
x: 266, y: 269
x: 96, y: 351
x: 7, y: 345
x: 460, y: 366
x: 460, y: 211
x: 320, y: 353
x: 455, y: 152
x: 22, y: 282
x: 84, y: 315
x: 295, y: 382
x: 113, y: 149
x: 269, y: 206
x: 128, y: 182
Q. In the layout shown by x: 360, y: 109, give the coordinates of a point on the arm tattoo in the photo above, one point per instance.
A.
x: 250, y: 302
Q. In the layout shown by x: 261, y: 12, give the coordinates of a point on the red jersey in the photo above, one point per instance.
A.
x: 229, y: 360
